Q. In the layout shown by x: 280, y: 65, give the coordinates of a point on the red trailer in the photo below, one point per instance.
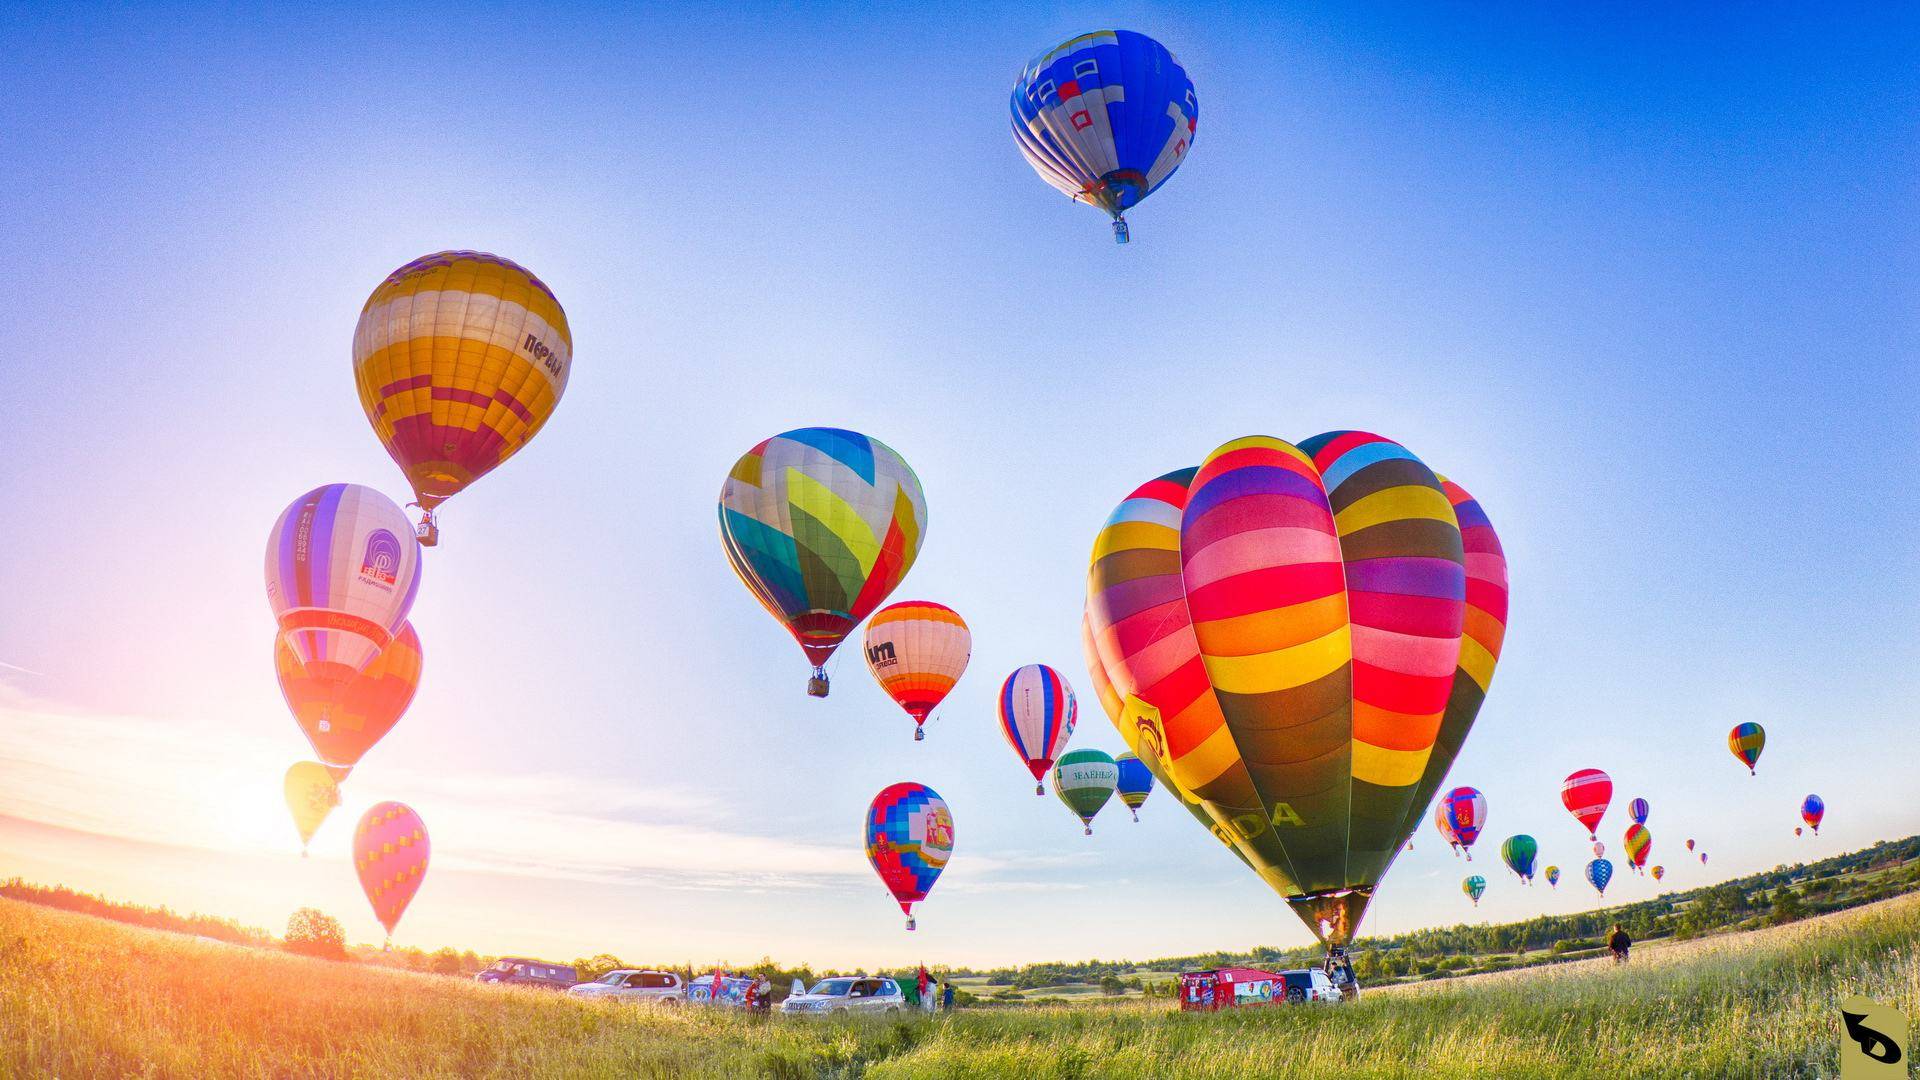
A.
x: 1230, y: 987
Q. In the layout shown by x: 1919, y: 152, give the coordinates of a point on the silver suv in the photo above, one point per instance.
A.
x: 641, y: 987
x: 852, y: 994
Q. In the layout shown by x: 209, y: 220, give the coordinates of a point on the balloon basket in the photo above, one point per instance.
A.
x: 427, y: 531
x: 817, y: 684
x: 919, y: 735
x: 1039, y: 789
x: 1120, y: 230
x: 1089, y: 830
x: 910, y: 922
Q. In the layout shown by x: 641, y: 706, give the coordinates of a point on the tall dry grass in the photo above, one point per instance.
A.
x: 82, y: 997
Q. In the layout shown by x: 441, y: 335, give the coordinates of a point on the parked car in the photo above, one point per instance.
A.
x: 520, y: 971
x: 848, y: 995
x: 640, y: 987
x: 1233, y: 988
x: 733, y: 991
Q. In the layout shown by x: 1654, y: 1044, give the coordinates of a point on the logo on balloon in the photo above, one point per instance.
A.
x: 940, y: 830
x: 881, y: 655
x: 382, y: 560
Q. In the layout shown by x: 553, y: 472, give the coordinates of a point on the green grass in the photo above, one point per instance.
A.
x: 83, y: 997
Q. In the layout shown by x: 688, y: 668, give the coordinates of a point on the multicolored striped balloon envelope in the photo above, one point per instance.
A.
x: 1553, y: 876
x: 1658, y: 872
x: 1135, y: 782
x: 460, y: 358
x: 821, y: 525
x: 1474, y: 886
x: 909, y: 840
x: 1746, y: 741
x: 1037, y: 714
x: 1813, y: 810
x: 917, y: 650
x: 1298, y: 638
x: 1105, y: 118
x: 1638, y: 810
x: 342, y: 720
x: 1518, y: 852
x: 342, y: 572
x: 1639, y: 844
x: 1586, y: 794
x: 1466, y: 811
x: 1085, y: 780
x: 390, y: 850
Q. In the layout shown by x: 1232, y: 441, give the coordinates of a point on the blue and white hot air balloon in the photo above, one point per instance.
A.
x: 1106, y: 118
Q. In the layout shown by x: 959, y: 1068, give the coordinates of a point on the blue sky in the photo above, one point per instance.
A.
x: 1642, y: 280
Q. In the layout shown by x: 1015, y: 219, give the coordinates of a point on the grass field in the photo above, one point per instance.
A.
x: 83, y: 997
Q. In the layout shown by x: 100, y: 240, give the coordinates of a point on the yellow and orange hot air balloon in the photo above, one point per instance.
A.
x: 311, y: 796
x: 917, y: 650
x: 1298, y: 639
x: 460, y: 357
x: 342, y: 720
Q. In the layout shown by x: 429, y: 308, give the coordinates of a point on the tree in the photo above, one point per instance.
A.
x: 1786, y: 907
x: 591, y: 968
x: 1111, y: 984
x: 446, y: 962
x: 312, y: 932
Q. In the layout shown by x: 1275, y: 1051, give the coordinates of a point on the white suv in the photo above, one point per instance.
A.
x: 1309, y: 984
x: 644, y: 987
x: 860, y: 994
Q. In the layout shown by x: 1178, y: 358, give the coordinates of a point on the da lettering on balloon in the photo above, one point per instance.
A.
x: 1873, y: 1040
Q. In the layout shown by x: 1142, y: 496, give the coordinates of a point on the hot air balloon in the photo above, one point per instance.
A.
x: 1703, y: 858
x: 1639, y: 843
x: 342, y: 720
x: 1586, y: 794
x: 390, y: 851
x: 1085, y: 780
x: 1746, y: 741
x: 1689, y: 843
x: 1466, y: 811
x: 1037, y: 714
x: 1135, y: 782
x: 460, y: 358
x: 1553, y: 876
x: 1105, y: 118
x: 1812, y: 811
x: 1442, y: 822
x: 1658, y: 872
x: 1519, y: 852
x: 1638, y: 810
x: 909, y: 840
x: 1599, y: 872
x: 311, y: 796
x: 342, y: 572
x: 1599, y: 849
x: 1474, y: 886
x: 917, y: 650
x: 1298, y: 640
x: 821, y: 524
x: 1796, y: 830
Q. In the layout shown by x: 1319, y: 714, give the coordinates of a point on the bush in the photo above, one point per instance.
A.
x: 312, y: 932
x: 445, y: 962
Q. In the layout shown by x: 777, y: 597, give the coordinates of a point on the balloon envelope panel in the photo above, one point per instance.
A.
x: 460, y: 358
x: 821, y: 524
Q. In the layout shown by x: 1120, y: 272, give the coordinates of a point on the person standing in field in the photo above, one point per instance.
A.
x: 946, y: 996
x: 1619, y: 943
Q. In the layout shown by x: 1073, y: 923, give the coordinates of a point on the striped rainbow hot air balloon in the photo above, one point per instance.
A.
x: 460, y: 358
x: 1297, y: 639
x: 917, y: 650
x: 1639, y: 844
x: 1037, y: 714
x: 1746, y: 741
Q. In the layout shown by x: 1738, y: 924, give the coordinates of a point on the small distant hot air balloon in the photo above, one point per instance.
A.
x: 1599, y: 849
x: 821, y: 524
x: 342, y: 571
x: 1746, y: 741
x: 1638, y: 810
x: 1553, y: 876
x: 1812, y: 810
x: 909, y: 840
x: 460, y: 358
x: 1796, y: 830
x: 1703, y: 858
x: 1599, y: 872
x: 1639, y: 843
x: 1085, y: 780
x: 1689, y: 843
x: 1519, y: 852
x: 390, y: 849
x: 1474, y: 887
x: 1466, y: 811
x: 1658, y: 872
x: 342, y: 720
x: 1105, y: 118
x: 917, y: 650
x: 1586, y: 794
x: 1135, y: 783
x: 311, y: 796
x: 1037, y: 714
x: 1445, y: 826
